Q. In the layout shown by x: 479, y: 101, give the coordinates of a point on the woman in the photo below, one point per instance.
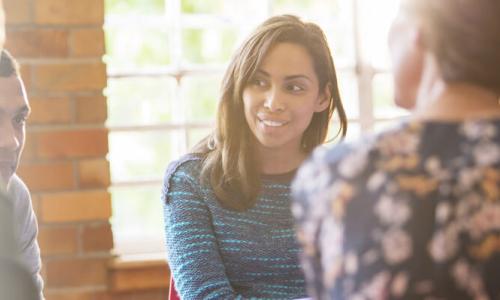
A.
x: 414, y: 213
x: 228, y: 223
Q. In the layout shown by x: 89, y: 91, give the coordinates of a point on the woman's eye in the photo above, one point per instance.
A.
x: 294, y: 88
x: 259, y: 82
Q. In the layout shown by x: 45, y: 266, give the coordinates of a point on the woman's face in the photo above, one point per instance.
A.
x: 281, y: 98
x: 407, y: 59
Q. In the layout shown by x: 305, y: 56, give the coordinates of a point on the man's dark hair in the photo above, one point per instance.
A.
x: 8, y: 65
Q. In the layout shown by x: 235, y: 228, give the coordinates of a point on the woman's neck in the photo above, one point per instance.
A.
x: 442, y: 101
x: 273, y: 161
x: 458, y: 102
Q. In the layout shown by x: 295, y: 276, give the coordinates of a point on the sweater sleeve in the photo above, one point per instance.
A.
x: 192, y: 249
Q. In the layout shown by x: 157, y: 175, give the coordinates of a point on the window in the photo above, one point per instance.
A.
x: 165, y: 62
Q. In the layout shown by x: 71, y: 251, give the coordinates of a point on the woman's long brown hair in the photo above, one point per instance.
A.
x: 230, y: 164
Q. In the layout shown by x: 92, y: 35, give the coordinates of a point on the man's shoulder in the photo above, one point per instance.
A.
x: 17, y: 190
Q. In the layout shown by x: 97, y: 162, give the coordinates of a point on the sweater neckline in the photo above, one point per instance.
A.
x: 281, y: 177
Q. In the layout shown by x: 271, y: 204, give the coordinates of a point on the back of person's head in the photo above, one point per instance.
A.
x: 8, y: 65
x: 15, y: 281
x: 464, y: 36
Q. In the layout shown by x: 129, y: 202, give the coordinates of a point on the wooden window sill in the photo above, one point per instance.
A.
x: 128, y: 275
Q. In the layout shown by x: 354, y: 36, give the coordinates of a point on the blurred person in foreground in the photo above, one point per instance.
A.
x: 414, y: 212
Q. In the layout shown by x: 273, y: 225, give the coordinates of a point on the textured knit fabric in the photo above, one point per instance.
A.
x: 25, y: 229
x: 413, y: 213
x: 215, y: 253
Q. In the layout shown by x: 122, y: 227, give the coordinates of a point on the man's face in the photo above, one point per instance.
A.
x: 14, y: 110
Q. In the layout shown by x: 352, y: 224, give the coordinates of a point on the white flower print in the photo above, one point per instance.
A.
x: 487, y: 154
x: 353, y: 164
x: 443, y: 212
x: 351, y: 263
x: 478, y: 130
x: 397, y: 143
x: 397, y: 246
x: 376, y: 181
x: 444, y: 244
x: 320, y: 173
x: 392, y: 212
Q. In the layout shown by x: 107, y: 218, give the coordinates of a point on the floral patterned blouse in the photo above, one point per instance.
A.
x: 413, y: 213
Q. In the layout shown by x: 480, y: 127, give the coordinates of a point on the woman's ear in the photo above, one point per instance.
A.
x: 324, y: 98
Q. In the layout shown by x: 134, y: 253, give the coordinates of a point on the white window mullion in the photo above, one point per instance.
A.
x: 177, y: 105
x: 364, y: 74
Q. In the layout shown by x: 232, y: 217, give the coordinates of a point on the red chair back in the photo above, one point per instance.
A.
x: 172, y: 293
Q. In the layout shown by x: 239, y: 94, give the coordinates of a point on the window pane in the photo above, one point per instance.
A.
x: 383, y: 97
x: 141, y: 7
x: 353, y: 132
x: 196, y: 135
x: 208, y: 45
x: 375, y: 19
x: 134, y: 101
x: 384, y: 125
x: 137, y: 219
x: 201, y: 94
x: 134, y: 47
x: 333, y: 16
x: 205, y: 6
x: 140, y: 155
x: 348, y: 86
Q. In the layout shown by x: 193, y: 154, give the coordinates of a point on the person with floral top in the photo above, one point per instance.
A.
x: 414, y: 212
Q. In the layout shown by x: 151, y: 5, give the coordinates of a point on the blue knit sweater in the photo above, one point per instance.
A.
x: 215, y: 253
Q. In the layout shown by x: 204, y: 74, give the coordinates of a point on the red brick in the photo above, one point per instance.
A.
x: 50, y: 111
x: 93, y: 173
x: 87, y: 42
x: 76, y: 272
x: 75, y: 207
x: 72, y: 143
x: 37, y: 43
x: 48, y: 176
x: 17, y: 11
x: 58, y: 240
x: 69, y: 12
x: 97, y: 238
x: 69, y: 77
x: 91, y: 109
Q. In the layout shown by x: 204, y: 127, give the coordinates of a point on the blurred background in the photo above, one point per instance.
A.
x: 119, y: 88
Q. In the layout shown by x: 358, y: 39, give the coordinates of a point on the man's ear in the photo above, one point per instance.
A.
x: 324, y: 99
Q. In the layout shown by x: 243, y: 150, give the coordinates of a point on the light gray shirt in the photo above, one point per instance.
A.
x: 25, y: 228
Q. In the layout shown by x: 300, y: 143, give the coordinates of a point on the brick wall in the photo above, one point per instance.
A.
x: 60, y: 44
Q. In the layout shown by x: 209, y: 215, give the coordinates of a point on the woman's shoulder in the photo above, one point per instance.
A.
x: 188, y: 163
x: 185, y: 170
